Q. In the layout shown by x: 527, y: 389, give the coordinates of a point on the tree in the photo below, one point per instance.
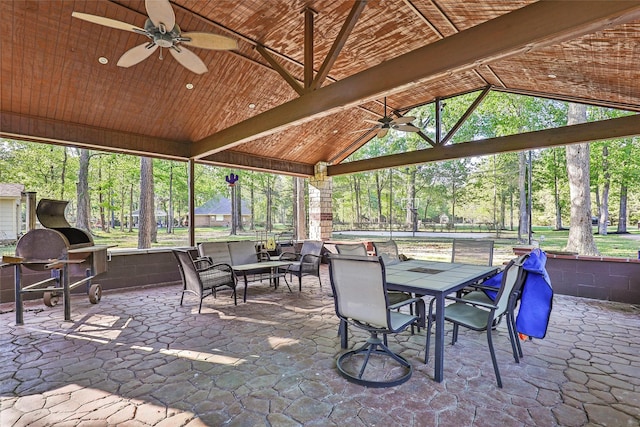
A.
x: 83, y: 210
x: 147, y: 219
x: 580, y: 232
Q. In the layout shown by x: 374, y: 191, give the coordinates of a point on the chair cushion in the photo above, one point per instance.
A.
x: 467, y: 315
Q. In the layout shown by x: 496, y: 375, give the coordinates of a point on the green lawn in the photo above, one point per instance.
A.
x: 623, y: 245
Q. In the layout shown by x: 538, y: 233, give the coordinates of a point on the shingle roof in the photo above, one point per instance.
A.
x: 11, y: 190
x: 220, y: 206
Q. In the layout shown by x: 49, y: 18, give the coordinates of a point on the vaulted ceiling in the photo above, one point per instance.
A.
x: 307, y: 74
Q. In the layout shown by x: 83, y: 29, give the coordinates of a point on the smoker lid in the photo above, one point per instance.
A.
x: 50, y: 213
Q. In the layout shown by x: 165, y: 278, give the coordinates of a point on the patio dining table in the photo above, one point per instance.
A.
x: 436, y: 279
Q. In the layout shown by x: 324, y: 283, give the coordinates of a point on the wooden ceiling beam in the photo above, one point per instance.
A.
x: 309, y: 14
x: 37, y: 129
x: 283, y: 73
x: 338, y: 43
x: 235, y: 159
x: 622, y: 127
x: 536, y: 25
x: 466, y: 115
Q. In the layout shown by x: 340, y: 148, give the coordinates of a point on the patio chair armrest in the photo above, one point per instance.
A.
x: 474, y: 303
x: 405, y: 302
x: 218, y: 275
x: 203, y: 263
x: 306, y: 259
x: 263, y: 255
x: 289, y: 256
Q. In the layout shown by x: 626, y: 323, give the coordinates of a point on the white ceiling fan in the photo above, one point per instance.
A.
x: 163, y: 32
x: 385, y: 123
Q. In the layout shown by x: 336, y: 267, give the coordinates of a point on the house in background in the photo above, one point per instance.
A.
x: 10, y: 212
x: 217, y: 212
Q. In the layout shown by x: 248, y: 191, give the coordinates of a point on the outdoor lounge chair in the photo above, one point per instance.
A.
x: 204, y: 278
x: 371, y: 312
x: 480, y: 316
x: 305, y: 263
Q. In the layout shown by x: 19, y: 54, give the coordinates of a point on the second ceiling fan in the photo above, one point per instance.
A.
x: 163, y: 32
x: 385, y: 123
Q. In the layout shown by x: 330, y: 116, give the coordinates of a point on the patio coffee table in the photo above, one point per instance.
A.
x: 272, y: 268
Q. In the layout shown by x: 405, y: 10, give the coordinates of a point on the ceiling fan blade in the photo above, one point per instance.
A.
x: 382, y: 132
x: 136, y: 55
x: 210, y: 41
x: 161, y: 12
x: 189, y: 60
x: 406, y: 128
x: 374, y: 122
x: 107, y: 22
x: 403, y: 120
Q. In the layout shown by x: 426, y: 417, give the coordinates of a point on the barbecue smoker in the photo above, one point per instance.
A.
x: 66, y: 251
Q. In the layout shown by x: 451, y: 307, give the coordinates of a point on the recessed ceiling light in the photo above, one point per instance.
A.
x: 252, y: 106
x: 551, y: 76
x: 335, y: 131
x: 189, y: 86
x: 103, y: 60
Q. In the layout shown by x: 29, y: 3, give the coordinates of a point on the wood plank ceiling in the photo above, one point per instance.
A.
x: 245, y: 113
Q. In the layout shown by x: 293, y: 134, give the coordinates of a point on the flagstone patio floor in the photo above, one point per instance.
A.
x: 138, y: 358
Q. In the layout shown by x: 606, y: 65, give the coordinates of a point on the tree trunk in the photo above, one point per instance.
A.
x: 523, y: 221
x: 146, y: 216
x: 252, y: 202
x: 170, y: 207
x: 411, y: 217
x: 269, y: 224
x: 234, y: 210
x: 379, y: 194
x: 131, y: 209
x: 603, y: 217
x: 556, y: 191
x: 239, y: 225
x: 122, y: 202
x: 103, y: 220
x: 622, y: 217
x: 63, y: 172
x: 580, y: 231
x: 83, y: 211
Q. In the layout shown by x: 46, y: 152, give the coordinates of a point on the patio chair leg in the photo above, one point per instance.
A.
x: 426, y: 349
x: 513, y: 338
x: 493, y: 357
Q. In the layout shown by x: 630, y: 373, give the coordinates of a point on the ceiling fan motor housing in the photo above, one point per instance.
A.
x: 160, y: 35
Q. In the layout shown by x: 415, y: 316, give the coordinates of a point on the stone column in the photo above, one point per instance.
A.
x: 320, y: 208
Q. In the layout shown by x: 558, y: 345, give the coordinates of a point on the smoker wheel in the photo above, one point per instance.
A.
x: 50, y: 299
x: 95, y: 293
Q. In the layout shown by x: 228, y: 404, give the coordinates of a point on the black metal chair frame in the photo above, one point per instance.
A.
x: 374, y: 344
x: 504, y: 304
x: 306, y: 264
x: 204, y: 276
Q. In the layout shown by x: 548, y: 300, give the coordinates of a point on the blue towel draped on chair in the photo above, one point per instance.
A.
x: 537, y: 296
